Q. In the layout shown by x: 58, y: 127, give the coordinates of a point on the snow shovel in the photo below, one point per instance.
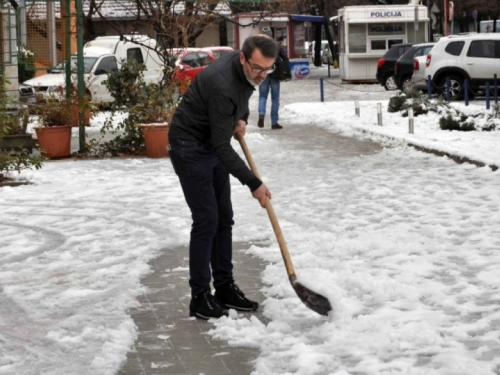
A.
x: 311, y: 299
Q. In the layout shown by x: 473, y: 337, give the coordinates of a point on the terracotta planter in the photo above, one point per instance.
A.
x: 156, y: 139
x: 74, y: 116
x: 17, y: 142
x: 54, y: 141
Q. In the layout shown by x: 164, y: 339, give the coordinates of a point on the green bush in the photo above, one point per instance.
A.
x: 18, y: 161
x: 460, y: 123
x: 410, y: 99
x: 145, y: 103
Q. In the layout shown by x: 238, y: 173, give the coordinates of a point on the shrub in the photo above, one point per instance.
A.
x: 146, y: 103
x: 16, y: 162
x: 410, y: 99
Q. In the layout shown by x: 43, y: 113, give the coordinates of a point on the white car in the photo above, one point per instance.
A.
x: 97, y: 64
x: 101, y: 56
x: 457, y: 58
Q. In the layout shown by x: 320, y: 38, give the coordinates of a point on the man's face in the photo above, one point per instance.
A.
x: 257, y: 67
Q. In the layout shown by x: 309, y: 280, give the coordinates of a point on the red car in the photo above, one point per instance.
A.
x: 218, y: 51
x: 189, y: 63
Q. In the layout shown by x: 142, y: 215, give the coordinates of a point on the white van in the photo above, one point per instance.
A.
x: 100, y: 56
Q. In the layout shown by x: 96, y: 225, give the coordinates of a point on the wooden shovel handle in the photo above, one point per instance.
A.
x: 270, y: 212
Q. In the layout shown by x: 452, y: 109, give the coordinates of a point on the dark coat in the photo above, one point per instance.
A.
x: 210, y: 109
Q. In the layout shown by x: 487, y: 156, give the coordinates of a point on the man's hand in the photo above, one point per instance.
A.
x: 261, y: 194
x: 241, y: 127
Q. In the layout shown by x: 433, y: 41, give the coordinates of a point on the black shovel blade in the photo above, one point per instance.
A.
x: 313, y: 300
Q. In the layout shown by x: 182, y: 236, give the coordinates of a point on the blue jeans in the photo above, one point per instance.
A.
x: 207, y: 190
x: 264, y: 87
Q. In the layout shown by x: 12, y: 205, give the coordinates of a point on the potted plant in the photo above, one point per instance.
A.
x: 13, y: 123
x: 15, y: 144
x: 154, y: 109
x: 54, y: 119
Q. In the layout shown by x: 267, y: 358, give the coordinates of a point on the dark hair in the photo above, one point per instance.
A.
x: 267, y: 46
x: 280, y: 39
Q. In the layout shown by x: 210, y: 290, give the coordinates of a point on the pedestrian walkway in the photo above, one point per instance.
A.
x: 171, y: 342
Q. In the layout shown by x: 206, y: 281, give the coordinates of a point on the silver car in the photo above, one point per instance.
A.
x: 419, y: 79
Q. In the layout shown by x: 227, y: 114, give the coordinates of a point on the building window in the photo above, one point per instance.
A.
x: 357, y: 38
x: 378, y: 45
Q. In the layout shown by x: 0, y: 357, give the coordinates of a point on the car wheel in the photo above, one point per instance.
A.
x: 390, y: 83
x: 407, y: 85
x: 456, y: 87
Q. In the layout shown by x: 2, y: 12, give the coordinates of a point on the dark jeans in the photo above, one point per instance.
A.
x: 206, y: 187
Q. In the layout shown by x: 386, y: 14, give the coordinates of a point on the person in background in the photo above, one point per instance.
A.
x: 489, y: 29
x: 213, y: 109
x: 272, y: 82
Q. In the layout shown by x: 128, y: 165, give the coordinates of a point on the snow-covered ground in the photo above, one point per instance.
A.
x: 404, y: 244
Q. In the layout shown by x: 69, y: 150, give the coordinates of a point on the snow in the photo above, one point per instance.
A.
x: 404, y: 244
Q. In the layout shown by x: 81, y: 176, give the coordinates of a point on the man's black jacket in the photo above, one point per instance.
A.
x: 209, y: 110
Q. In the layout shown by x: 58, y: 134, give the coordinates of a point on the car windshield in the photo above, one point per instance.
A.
x: 88, y: 63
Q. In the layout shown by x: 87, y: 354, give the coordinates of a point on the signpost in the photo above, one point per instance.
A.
x: 451, y: 5
x: 474, y: 16
x: 446, y: 33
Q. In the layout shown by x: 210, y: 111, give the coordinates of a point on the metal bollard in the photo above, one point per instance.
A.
x: 495, y: 82
x: 356, y: 107
x: 379, y: 113
x: 410, y: 121
x: 488, y: 95
x: 321, y: 88
x: 429, y: 87
x: 466, y: 92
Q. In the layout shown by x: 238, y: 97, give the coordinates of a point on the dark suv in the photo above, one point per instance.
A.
x: 404, y: 66
x: 385, y: 66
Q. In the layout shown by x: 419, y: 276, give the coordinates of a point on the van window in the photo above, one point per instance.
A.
x: 482, y: 48
x: 455, y: 48
x: 107, y: 64
x: 135, y: 54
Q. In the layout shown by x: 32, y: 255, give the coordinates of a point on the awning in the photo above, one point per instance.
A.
x: 307, y: 18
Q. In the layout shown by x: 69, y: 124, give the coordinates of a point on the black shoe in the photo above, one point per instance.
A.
x: 276, y: 126
x: 260, y: 123
x: 231, y: 297
x: 205, y: 306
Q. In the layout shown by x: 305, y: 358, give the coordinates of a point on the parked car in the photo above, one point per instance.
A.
x: 419, y: 79
x: 403, y: 69
x: 385, y: 66
x: 475, y: 57
x: 101, y: 56
x: 190, y: 61
x: 218, y: 51
x: 27, y: 94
